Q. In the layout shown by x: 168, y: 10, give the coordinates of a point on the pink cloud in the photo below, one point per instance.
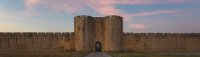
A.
x: 155, y: 13
x: 31, y: 3
x: 146, y: 2
x: 70, y: 6
x: 107, y: 7
x: 135, y: 2
x: 101, y: 2
x: 103, y: 7
x: 18, y: 15
x: 176, y: 1
x: 137, y: 26
x: 56, y: 6
x: 131, y: 16
x: 107, y: 10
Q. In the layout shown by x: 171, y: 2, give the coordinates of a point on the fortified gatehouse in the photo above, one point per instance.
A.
x: 98, y: 34
x: 106, y: 30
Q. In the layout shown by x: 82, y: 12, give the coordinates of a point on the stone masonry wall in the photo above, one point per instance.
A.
x: 107, y: 30
x: 99, y: 31
x: 113, y: 32
x: 161, y: 42
x: 84, y: 33
x: 33, y: 41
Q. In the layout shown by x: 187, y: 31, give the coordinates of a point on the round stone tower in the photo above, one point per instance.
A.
x: 113, y: 33
x: 84, y: 33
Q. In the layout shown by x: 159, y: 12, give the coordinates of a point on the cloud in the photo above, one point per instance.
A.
x: 71, y: 6
x: 98, y: 5
x: 57, y: 6
x: 108, y: 7
x: 31, y: 3
x: 136, y: 26
x: 102, y: 7
x: 155, y: 13
x: 147, y: 2
x: 108, y: 10
x: 7, y: 27
x: 5, y: 14
x: 158, y: 12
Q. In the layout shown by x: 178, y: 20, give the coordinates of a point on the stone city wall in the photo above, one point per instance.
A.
x: 161, y: 42
x: 33, y: 41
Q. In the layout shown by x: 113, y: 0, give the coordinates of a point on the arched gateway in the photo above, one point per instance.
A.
x: 89, y: 30
x: 98, y: 46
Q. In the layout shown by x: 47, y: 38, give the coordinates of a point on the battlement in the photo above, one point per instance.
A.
x: 161, y: 42
x: 83, y: 16
x: 162, y: 34
x: 113, y: 16
x: 36, y: 33
x: 36, y: 41
x: 106, y: 17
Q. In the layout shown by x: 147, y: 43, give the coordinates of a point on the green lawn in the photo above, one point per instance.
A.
x: 43, y: 54
x: 82, y: 54
x: 147, y: 54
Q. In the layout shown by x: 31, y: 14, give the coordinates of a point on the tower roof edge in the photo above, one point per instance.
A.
x: 82, y: 16
x: 117, y: 16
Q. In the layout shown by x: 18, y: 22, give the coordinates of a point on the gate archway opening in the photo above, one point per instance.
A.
x: 98, y: 46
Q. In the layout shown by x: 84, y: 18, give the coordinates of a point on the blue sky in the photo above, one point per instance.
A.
x: 174, y: 16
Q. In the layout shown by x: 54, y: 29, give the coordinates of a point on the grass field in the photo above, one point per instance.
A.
x: 44, y: 54
x: 148, y: 54
x: 82, y: 54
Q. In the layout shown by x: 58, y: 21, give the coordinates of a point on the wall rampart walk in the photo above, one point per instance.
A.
x: 36, y: 41
x: 161, y: 42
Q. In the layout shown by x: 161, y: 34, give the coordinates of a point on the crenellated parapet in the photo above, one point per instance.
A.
x: 163, y: 34
x: 36, y: 41
x: 159, y: 42
x: 114, y: 17
x: 82, y: 17
x: 35, y: 33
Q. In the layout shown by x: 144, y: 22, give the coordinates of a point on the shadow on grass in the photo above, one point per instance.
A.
x: 43, y: 54
x: 82, y: 54
x: 149, y: 54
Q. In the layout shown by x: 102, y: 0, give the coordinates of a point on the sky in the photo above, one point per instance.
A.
x: 140, y: 16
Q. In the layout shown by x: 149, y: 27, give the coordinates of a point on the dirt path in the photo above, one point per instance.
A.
x: 97, y: 54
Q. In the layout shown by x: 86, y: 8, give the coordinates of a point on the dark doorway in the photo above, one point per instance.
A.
x: 98, y: 46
